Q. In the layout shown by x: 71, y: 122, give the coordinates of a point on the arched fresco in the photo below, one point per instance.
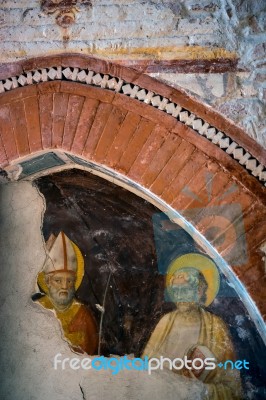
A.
x: 131, y: 251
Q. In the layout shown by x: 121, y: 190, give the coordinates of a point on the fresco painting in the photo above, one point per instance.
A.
x: 119, y: 283
x: 192, y: 282
x: 59, y: 279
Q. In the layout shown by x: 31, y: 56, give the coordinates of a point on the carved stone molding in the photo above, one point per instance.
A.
x: 64, y: 10
x: 51, y: 6
x: 164, y: 104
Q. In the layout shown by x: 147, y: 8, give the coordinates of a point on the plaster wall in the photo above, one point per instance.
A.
x: 31, y: 337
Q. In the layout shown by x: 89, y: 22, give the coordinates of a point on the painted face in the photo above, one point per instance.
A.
x: 184, y: 286
x: 61, y: 287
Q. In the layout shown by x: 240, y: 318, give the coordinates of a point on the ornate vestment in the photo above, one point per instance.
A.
x: 78, y: 325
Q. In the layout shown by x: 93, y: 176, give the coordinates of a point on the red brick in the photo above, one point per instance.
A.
x: 206, y: 192
x: 122, y: 138
x: 222, y: 158
x: 103, y: 95
x: 176, y: 65
x: 252, y: 236
x: 204, y: 218
x: 48, y: 87
x: 227, y: 225
x: 40, y: 62
x: 145, y: 110
x: 226, y: 235
x: 7, y: 133
x: 83, y: 61
x: 60, y: 102
x: 140, y: 136
x: 254, y: 213
x: 193, y: 195
x: 240, y: 196
x: 173, y: 166
x: 219, y: 184
x: 145, y: 81
x: 109, y: 132
x: 33, y: 123
x: 97, y: 127
x: 256, y: 289
x: 256, y: 236
x: 86, y: 119
x: 252, y: 259
x: 17, y: 94
x: 149, y: 83
x: 46, y: 119
x: 150, y: 148
x: 145, y: 148
x: 203, y: 144
x: 215, y: 119
x: 253, y: 274
x: 20, y: 127
x: 10, y: 69
x: 3, y: 157
x: 128, y: 74
x: 250, y: 239
x: 160, y: 160
x: 75, y: 104
x: 171, y: 193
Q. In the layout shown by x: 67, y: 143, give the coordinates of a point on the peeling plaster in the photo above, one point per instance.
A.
x: 31, y: 337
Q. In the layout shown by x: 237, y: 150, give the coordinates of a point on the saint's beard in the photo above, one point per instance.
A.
x: 184, y: 293
x: 61, y: 300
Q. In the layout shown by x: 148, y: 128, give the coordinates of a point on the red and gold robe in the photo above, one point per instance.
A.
x: 78, y: 325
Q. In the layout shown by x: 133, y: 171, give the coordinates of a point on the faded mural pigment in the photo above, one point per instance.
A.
x: 164, y: 299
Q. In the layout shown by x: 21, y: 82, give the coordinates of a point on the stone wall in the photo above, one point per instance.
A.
x: 214, y: 50
x: 161, y: 31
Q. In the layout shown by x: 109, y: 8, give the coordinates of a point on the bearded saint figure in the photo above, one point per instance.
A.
x: 60, y: 278
x: 192, y: 283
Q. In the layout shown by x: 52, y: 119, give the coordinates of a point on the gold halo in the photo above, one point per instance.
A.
x: 80, y: 271
x: 202, y: 263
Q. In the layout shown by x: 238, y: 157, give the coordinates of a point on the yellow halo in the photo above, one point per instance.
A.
x: 203, y: 264
x: 80, y: 271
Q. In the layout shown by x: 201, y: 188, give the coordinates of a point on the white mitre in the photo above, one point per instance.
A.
x: 61, y: 256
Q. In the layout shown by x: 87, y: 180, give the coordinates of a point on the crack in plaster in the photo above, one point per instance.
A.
x: 82, y: 391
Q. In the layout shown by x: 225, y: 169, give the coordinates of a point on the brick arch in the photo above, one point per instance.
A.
x: 157, y: 147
